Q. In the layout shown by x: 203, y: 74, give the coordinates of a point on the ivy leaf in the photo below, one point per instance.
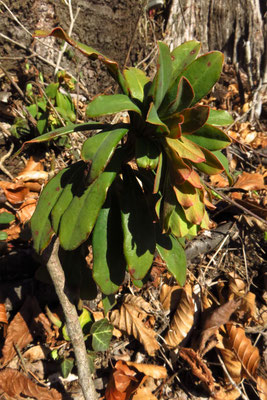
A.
x: 66, y: 367
x: 101, y: 332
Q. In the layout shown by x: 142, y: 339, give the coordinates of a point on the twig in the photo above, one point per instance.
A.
x: 14, y: 83
x: 2, y: 168
x: 230, y: 378
x: 72, y: 21
x: 72, y: 321
x: 234, y: 203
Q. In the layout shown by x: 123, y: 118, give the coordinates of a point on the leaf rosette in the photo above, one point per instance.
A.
x: 138, y: 188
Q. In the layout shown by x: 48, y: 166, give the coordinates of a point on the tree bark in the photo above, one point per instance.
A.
x: 236, y: 27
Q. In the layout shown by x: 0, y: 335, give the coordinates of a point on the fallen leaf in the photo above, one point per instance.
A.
x: 214, y: 319
x: 15, y: 384
x: 3, y: 316
x: 144, y: 393
x: 26, y: 210
x: 122, y: 383
x: 20, y: 331
x: 154, y: 371
x: 36, y: 353
x: 130, y: 319
x: 248, y: 181
x: 262, y: 387
x: 169, y: 297
x: 231, y: 362
x: 246, y: 353
x: 198, y: 367
x: 14, y: 192
x: 182, y: 320
x: 219, y: 181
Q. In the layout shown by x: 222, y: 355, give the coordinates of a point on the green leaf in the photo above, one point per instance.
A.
x: 136, y: 81
x: 6, y: 218
x: 65, y: 130
x: 93, y: 54
x: 184, y: 149
x: 146, y: 153
x: 203, y: 73
x: 212, y: 165
x: 178, y: 97
x: 69, y: 184
x: 52, y: 90
x: 101, y: 332
x: 182, y: 56
x: 42, y: 123
x: 33, y: 110
x: 158, y: 174
x: 223, y: 160
x: 109, y: 263
x: 210, y: 137
x: 153, y: 118
x: 105, y: 151
x: 110, y: 104
x: 163, y: 76
x: 83, y: 210
x: 108, y: 302
x: 219, y: 118
x: 40, y: 224
x: 138, y: 227
x: 66, y: 367
x: 172, y: 252
x: 194, y: 118
x: 3, y: 236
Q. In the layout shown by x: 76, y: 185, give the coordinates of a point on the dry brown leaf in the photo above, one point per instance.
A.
x: 144, y: 393
x: 14, y: 192
x: 246, y: 353
x: 199, y: 368
x: 262, y: 387
x: 20, y: 330
x: 130, y: 319
x: 232, y: 364
x: 170, y: 296
x: 237, y: 285
x: 214, y: 320
x: 219, y: 181
x: 122, y: 383
x: 182, y: 320
x: 15, y: 384
x: 154, y: 371
x: 249, y: 181
x: 226, y: 394
x: 139, y: 303
x: 36, y: 353
x: 3, y: 316
x: 26, y: 210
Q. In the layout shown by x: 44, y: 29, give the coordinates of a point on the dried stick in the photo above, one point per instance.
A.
x: 73, y: 325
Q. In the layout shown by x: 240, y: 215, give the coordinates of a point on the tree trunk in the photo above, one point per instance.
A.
x: 235, y: 27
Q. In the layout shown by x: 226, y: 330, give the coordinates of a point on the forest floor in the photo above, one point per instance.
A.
x: 217, y: 320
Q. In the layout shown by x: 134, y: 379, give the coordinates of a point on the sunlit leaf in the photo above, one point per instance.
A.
x: 136, y: 80
x: 110, y: 104
x: 101, y: 332
x: 203, y: 73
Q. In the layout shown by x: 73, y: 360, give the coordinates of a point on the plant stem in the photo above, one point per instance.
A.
x: 73, y: 326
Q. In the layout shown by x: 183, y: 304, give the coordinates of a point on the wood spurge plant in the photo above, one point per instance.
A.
x: 138, y: 187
